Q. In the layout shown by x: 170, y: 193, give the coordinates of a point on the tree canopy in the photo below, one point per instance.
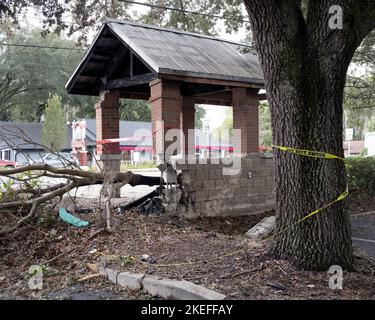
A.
x: 28, y: 75
x: 82, y: 16
x: 360, y: 89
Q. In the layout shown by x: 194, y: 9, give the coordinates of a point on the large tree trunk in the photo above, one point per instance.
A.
x: 305, y: 65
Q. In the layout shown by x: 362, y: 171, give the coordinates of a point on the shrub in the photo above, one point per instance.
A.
x: 361, y: 173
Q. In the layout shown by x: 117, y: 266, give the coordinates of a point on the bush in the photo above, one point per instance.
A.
x: 361, y: 173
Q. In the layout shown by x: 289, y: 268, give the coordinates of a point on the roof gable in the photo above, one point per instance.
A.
x: 160, y: 51
x: 170, y: 51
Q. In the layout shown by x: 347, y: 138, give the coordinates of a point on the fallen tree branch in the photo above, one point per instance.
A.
x: 22, y: 220
x: 31, y: 198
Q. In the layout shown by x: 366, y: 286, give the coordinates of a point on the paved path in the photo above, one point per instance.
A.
x: 93, y: 191
x: 363, y: 229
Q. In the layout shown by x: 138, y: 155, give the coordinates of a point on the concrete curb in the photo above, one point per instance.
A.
x: 262, y: 229
x: 163, y: 287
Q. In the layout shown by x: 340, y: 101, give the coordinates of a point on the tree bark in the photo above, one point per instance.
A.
x: 305, y: 65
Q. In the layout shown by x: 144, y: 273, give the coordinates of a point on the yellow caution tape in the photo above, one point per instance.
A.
x: 339, y: 198
x: 309, y: 153
x: 321, y: 155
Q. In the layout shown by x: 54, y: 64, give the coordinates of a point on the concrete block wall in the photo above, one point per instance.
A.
x: 207, y: 191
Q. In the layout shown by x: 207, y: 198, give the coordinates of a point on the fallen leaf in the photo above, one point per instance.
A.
x: 93, y: 267
x: 276, y: 285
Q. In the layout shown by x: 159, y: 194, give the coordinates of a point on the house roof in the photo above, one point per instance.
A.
x: 144, y: 129
x: 128, y: 129
x: 163, y: 51
x: 25, y: 135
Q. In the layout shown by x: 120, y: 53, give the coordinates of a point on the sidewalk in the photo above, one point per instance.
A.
x: 363, y: 233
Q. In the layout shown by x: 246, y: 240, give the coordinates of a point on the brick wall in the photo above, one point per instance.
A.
x: 208, y: 192
x: 245, y: 117
x: 166, y: 104
x: 188, y: 123
x: 108, y: 121
x: 108, y: 127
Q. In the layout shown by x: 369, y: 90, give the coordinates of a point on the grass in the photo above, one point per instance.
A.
x: 128, y: 166
x: 138, y: 166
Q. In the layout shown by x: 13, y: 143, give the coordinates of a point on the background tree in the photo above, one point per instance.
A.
x: 29, y: 74
x: 265, y: 132
x: 200, y: 113
x: 229, y: 9
x: 305, y: 64
x: 135, y: 110
x: 54, y: 130
x: 87, y: 15
x: 359, y: 96
x: 52, y: 11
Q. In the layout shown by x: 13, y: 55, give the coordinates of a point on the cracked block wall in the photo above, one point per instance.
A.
x: 207, y: 191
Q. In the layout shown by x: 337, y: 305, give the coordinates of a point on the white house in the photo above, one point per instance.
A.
x: 370, y: 143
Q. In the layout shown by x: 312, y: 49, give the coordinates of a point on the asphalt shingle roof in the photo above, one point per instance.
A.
x: 170, y: 51
x: 128, y: 129
x: 163, y: 52
x: 25, y: 135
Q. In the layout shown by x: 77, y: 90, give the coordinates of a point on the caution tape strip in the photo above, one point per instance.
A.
x: 107, y: 141
x: 321, y: 155
x: 309, y: 153
x: 134, y: 138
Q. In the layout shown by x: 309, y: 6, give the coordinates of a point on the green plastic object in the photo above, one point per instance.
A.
x: 74, y: 221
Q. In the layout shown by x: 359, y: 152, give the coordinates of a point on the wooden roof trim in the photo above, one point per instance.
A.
x: 213, y: 81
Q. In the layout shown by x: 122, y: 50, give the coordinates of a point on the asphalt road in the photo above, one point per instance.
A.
x: 363, y: 232
x: 93, y: 192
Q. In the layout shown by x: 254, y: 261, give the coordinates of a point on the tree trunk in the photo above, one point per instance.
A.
x: 305, y: 65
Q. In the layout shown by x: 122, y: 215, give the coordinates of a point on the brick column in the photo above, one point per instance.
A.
x: 82, y: 158
x: 188, y: 123
x: 245, y: 117
x: 166, y: 105
x: 107, y: 127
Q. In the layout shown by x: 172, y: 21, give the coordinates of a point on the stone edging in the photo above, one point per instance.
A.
x: 163, y: 287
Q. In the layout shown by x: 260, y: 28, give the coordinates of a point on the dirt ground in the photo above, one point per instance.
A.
x: 212, y: 252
